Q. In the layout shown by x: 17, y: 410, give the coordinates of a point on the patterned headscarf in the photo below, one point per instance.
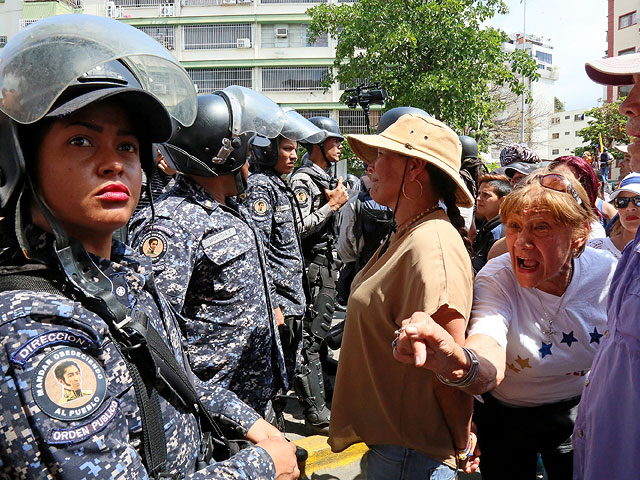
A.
x: 517, y: 153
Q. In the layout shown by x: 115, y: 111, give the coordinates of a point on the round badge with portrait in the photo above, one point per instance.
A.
x: 301, y: 195
x: 68, y: 384
x: 260, y: 206
x: 154, y: 245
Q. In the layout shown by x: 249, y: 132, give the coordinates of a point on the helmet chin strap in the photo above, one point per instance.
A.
x: 76, y: 263
x: 241, y: 184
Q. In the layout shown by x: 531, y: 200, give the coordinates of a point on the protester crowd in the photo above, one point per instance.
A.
x: 168, y: 274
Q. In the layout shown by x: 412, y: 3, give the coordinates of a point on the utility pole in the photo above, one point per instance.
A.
x: 524, y: 80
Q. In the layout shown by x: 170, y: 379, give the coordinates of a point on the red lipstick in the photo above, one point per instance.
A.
x: 114, y: 192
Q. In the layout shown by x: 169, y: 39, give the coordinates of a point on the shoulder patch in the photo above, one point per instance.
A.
x: 260, y: 206
x: 68, y: 384
x: 49, y: 339
x: 79, y: 433
x: 302, y: 195
x: 154, y: 244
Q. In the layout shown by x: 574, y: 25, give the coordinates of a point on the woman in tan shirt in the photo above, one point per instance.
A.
x: 414, y: 425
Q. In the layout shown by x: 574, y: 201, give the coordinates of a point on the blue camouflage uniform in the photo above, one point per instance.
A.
x: 208, y: 260
x: 98, y: 435
x: 272, y: 206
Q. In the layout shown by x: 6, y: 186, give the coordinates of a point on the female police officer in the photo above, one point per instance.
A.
x: 272, y: 205
x: 72, y: 146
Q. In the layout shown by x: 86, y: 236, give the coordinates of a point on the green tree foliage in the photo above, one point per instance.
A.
x: 608, y: 122
x: 437, y: 55
x: 558, y: 105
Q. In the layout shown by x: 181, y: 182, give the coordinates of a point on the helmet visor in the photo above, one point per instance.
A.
x: 41, y: 61
x: 252, y: 112
x: 298, y: 128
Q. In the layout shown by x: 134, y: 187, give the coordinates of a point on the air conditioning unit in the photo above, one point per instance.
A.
x: 243, y: 43
x: 245, y: 1
x: 282, y: 32
x: 228, y: 2
x: 112, y: 10
x: 168, y: 10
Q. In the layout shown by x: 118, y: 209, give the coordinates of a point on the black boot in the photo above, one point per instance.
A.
x: 309, y: 387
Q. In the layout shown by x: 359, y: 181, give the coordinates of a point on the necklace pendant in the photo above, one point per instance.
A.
x: 549, y: 332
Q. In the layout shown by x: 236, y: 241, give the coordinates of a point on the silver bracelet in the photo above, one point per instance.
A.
x: 471, y: 374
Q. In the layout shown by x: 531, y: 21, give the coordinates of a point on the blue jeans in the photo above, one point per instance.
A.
x: 394, y: 462
x: 605, y: 173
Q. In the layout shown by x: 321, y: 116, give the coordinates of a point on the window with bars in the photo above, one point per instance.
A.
x: 265, y: 2
x: 285, y: 79
x: 24, y: 23
x: 313, y: 113
x: 165, y: 36
x: 353, y: 121
x: 292, y: 35
x: 208, y: 37
x: 209, y: 80
x: 628, y: 20
x: 140, y: 3
x: 210, y: 3
x: 3, y: 40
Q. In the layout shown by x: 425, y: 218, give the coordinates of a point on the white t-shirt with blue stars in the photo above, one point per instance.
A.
x: 543, y: 367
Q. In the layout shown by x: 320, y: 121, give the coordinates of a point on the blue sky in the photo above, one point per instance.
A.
x: 577, y: 31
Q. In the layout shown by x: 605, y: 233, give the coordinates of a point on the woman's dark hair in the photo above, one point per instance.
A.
x: 445, y: 188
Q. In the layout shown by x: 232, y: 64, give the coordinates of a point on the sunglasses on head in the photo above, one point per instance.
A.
x: 623, y: 202
x: 559, y: 183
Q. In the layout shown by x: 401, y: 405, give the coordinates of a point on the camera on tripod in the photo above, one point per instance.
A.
x: 365, y: 95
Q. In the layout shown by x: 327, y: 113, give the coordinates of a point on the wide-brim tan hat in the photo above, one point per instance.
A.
x: 622, y: 148
x: 614, y: 70
x: 420, y: 137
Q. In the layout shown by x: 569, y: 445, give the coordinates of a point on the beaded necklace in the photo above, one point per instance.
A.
x: 401, y: 230
x: 405, y: 225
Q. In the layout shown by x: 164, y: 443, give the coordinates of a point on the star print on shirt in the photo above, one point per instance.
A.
x: 523, y: 362
x: 568, y: 338
x: 545, y: 349
x: 595, y: 336
x: 512, y: 366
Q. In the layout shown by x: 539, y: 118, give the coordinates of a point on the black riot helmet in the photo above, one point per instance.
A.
x: 469, y: 147
x: 217, y: 143
x: 390, y: 116
x: 78, y: 52
x: 207, y: 148
x: 87, y: 60
x: 296, y: 127
x: 328, y: 126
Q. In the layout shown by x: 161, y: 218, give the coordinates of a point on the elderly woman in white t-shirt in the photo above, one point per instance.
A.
x: 538, y: 316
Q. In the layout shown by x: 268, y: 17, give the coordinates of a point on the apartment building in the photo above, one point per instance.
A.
x: 536, y: 113
x: 623, y: 36
x: 563, y: 132
x: 259, y: 44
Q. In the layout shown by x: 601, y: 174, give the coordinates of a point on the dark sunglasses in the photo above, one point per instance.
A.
x: 559, y: 183
x: 623, y: 202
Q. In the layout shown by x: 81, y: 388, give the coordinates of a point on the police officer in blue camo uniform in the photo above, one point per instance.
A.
x: 95, y: 381
x: 208, y: 256
x: 272, y: 205
x: 320, y: 197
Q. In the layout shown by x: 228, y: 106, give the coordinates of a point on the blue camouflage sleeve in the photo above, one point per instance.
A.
x: 227, y: 408
x: 260, y: 206
x: 173, y: 252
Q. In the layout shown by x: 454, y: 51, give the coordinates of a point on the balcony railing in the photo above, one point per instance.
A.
x: 71, y: 3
